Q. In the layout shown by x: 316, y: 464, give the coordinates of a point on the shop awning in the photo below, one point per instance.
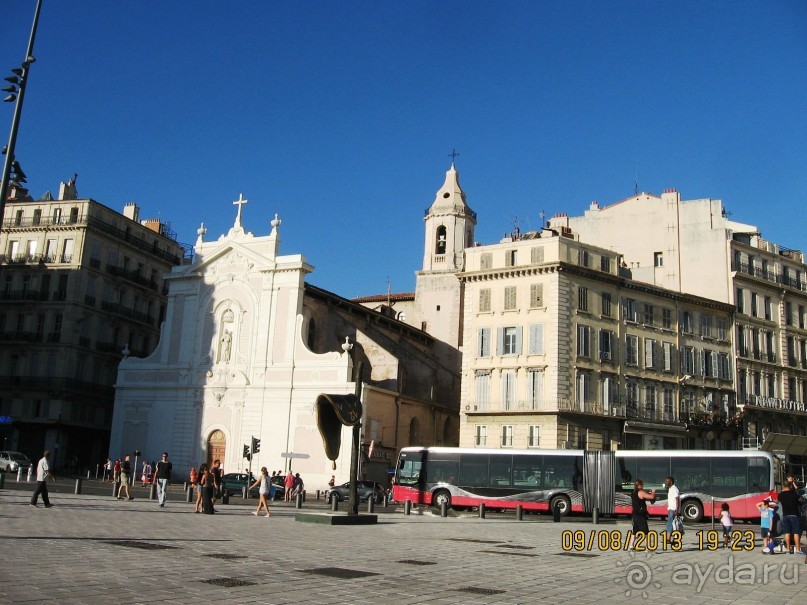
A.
x: 649, y: 428
x: 793, y: 445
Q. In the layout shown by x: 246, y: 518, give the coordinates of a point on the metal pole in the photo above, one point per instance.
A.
x: 15, y: 121
x: 353, y: 509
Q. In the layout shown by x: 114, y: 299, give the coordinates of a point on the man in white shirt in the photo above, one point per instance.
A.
x: 42, y: 473
x: 673, y: 502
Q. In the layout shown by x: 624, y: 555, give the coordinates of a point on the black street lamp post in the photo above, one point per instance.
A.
x: 17, y: 93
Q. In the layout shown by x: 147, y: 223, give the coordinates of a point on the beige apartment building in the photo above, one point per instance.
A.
x: 693, y: 246
x: 81, y: 286
x: 562, y: 350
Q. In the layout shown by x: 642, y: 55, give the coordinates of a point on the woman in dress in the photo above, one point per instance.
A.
x: 639, y: 498
x: 263, y: 492
x: 207, y: 489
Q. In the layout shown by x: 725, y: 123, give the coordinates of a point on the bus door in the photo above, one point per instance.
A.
x: 599, y: 478
x: 409, y: 480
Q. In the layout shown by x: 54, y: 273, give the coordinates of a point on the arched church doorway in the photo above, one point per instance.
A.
x: 216, y: 447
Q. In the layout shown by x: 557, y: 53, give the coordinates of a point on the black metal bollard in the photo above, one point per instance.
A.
x: 19, y: 474
x: 334, y: 503
x: 78, y: 487
x: 189, y: 495
x: 407, y: 507
x: 317, y: 495
x: 370, y: 505
x: 556, y: 512
x: 481, y: 510
x: 225, y: 496
x: 298, y: 501
x: 153, y: 492
x: 519, y: 512
x: 115, y: 487
x: 595, y: 516
x: 444, y: 509
x: 2, y: 480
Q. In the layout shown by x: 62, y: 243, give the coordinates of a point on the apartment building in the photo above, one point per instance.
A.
x: 693, y: 246
x: 81, y: 287
x: 563, y: 350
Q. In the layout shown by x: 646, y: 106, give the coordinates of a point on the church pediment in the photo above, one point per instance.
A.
x: 231, y: 257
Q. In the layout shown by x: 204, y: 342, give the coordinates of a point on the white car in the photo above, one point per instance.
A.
x: 11, y: 462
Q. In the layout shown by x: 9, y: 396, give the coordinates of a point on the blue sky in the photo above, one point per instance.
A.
x: 339, y: 116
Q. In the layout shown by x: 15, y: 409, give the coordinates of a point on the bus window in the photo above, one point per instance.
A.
x: 500, y: 471
x: 759, y: 474
x: 473, y: 470
x: 409, y: 469
x: 562, y: 471
x: 691, y: 474
x: 627, y: 472
x: 443, y: 468
x: 729, y: 477
x: 652, y: 472
x: 527, y: 471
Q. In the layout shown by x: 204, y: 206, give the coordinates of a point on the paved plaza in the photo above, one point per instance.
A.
x: 96, y: 549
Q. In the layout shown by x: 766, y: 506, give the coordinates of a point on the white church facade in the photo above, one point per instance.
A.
x: 247, y: 347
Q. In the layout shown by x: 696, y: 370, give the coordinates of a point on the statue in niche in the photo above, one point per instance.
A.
x: 226, y: 346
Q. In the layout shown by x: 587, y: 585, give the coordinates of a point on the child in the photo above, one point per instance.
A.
x: 726, y: 522
x: 765, y: 516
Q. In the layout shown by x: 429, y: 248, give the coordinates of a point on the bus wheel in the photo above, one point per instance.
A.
x: 692, y: 510
x: 441, y: 496
x: 562, y: 503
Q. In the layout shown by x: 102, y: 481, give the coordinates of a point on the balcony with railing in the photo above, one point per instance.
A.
x: 553, y: 406
x: 127, y: 312
x: 133, y: 276
x: 768, y: 275
x: 655, y: 414
x: 23, y: 295
x: 96, y: 223
x: 20, y: 336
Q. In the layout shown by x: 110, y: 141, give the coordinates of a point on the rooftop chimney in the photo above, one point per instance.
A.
x: 131, y: 211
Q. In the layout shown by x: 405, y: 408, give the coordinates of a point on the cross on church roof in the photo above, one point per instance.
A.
x: 239, y: 202
x: 453, y: 155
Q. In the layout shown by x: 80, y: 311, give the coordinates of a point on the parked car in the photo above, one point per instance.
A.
x: 233, y: 484
x: 364, y: 489
x: 11, y: 462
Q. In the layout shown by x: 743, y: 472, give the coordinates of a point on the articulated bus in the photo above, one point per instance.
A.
x: 579, y: 481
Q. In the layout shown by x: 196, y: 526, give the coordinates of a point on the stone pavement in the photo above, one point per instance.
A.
x: 95, y: 549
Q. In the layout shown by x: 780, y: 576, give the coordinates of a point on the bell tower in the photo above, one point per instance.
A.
x: 449, y: 227
x: 449, y: 223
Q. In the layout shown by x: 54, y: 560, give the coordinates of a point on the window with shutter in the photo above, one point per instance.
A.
x: 536, y: 296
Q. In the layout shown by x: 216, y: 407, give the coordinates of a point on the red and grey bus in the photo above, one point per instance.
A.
x: 579, y: 481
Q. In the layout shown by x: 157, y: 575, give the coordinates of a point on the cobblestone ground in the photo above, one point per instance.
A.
x: 95, y: 549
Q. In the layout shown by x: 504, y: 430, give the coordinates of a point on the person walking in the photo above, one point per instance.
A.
x: 263, y: 492
x: 299, y: 486
x: 42, y: 473
x: 125, y: 473
x: 791, y: 524
x: 288, y: 484
x: 162, y: 475
x: 207, y: 489
x: 673, y: 502
x: 216, y: 472
x: 639, y: 498
x: 203, y: 468
x: 108, y: 470
x: 726, y: 523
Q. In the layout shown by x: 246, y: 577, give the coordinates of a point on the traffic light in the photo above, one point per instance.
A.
x: 256, y: 445
x: 247, y: 455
